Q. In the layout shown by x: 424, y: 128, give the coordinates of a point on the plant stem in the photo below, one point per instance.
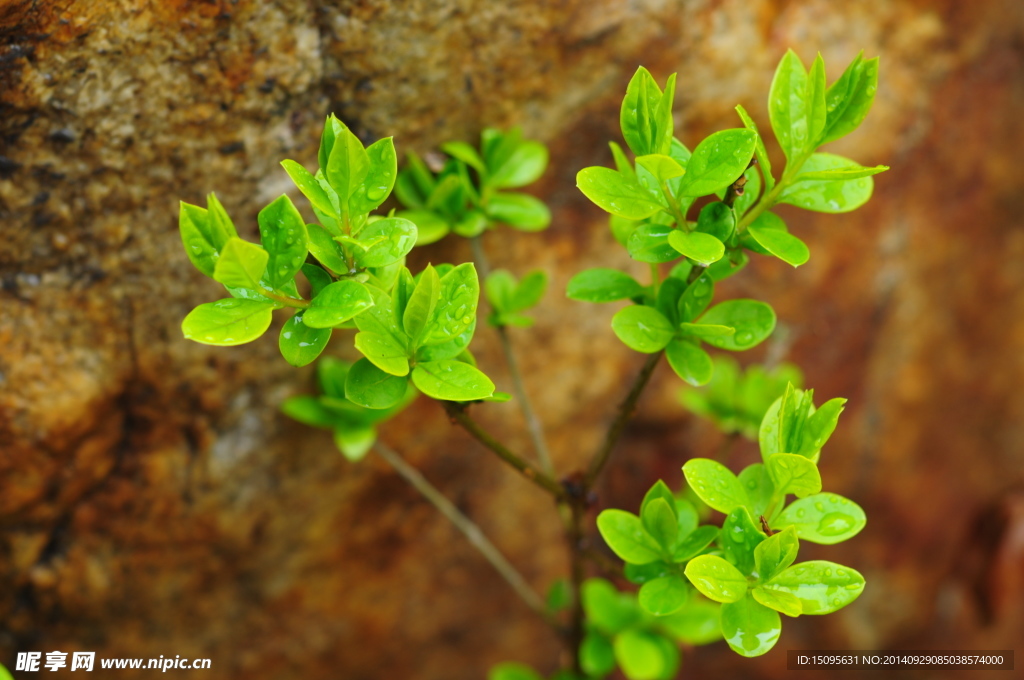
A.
x: 457, y: 412
x: 619, y: 424
x: 655, y: 279
x: 290, y: 301
x: 576, y: 540
x: 533, y: 424
x: 472, y: 532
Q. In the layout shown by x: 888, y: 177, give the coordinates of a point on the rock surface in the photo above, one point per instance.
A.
x: 155, y: 502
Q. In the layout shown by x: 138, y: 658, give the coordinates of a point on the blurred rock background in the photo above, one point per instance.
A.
x: 153, y: 499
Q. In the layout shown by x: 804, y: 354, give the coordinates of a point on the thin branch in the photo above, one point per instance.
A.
x: 457, y: 413
x: 619, y: 424
x: 472, y: 532
x: 533, y: 424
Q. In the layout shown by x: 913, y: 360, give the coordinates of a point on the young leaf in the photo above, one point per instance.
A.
x: 750, y: 628
x: 739, y: 538
x: 696, y: 298
x: 455, y: 311
x: 642, y: 328
x: 399, y: 237
x: 241, y: 264
x: 348, y: 167
x: 665, y: 595
x: 384, y: 352
x: 202, y: 236
x: 717, y: 162
x: 326, y: 249
x: 759, y: 487
x: 524, y: 166
x: 354, y: 442
x: 624, y: 533
x: 616, y: 193
x: 760, y: 153
x: 778, y: 600
x: 716, y: 579
x: 825, y: 518
x: 421, y: 304
x: 283, y: 234
x: 792, y: 473
x: 754, y: 321
x: 638, y: 115
x: 228, y: 322
x: 816, y: 101
x: 822, y: 587
x: 659, y: 520
x: 522, y: 211
x: 649, y: 243
x: 310, y: 188
x: 597, y: 658
x: 819, y: 427
x: 449, y: 380
x: 300, y: 345
x: 775, y: 553
x: 368, y: 386
x: 689, y: 361
x: 645, y: 656
x: 828, y: 195
x: 603, y: 285
x: 661, y: 167
x: 715, y: 484
x: 780, y: 243
x: 850, y: 98
x: 702, y: 248
x: 790, y: 107
x: 852, y: 171
x: 337, y: 303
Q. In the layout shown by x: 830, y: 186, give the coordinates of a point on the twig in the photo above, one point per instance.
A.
x: 533, y: 424
x: 457, y: 413
x: 619, y: 424
x: 472, y: 532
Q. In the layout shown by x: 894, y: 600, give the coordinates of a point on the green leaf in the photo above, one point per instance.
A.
x: 643, y: 656
x: 529, y: 291
x: 337, y: 303
x: 308, y: 410
x: 790, y: 108
x: 472, y: 223
x: 347, y: 167
x: 715, y: 484
x: 717, y: 220
x: 695, y: 543
x: 317, y: 277
x: 642, y: 328
x: 664, y: 596
x: 649, y: 243
x: 816, y: 110
x: 384, y: 352
x: 669, y: 293
x: 606, y: 608
x: 689, y: 361
x: 228, y: 322
x: 326, y: 249
x: 642, y: 573
x: 455, y: 311
x: 355, y: 442
x: 638, y: 115
x: 659, y: 520
x: 283, y: 234
x: 500, y: 287
x: 331, y: 374
x: 596, y: 655
x: 624, y: 533
x: 828, y: 195
x: 522, y: 211
x: 661, y: 167
x: 775, y: 553
x: 718, y: 161
x: 300, y: 345
x: 822, y: 587
x: 603, y: 285
x: 702, y: 248
x: 465, y: 153
x: 421, y: 304
x: 705, y: 331
x: 696, y: 298
x: 749, y: 627
x: 241, y: 264
x: 203, y: 236
x: 753, y: 320
x: 513, y: 671
x: 449, y: 380
x: 660, y: 490
x: 778, y: 600
x: 760, y: 153
x: 310, y: 187
x: 524, y: 166
x: 792, y: 473
x: 819, y: 427
x: 850, y: 98
x: 739, y: 538
x: 371, y: 387
x: 758, y: 485
x: 853, y: 171
x: 221, y: 227
x: 331, y: 129
x: 825, y: 518
x: 716, y: 579
x: 780, y: 243
x: 616, y: 193
x: 621, y: 228
x: 399, y: 237
x: 696, y: 624
x: 430, y: 227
